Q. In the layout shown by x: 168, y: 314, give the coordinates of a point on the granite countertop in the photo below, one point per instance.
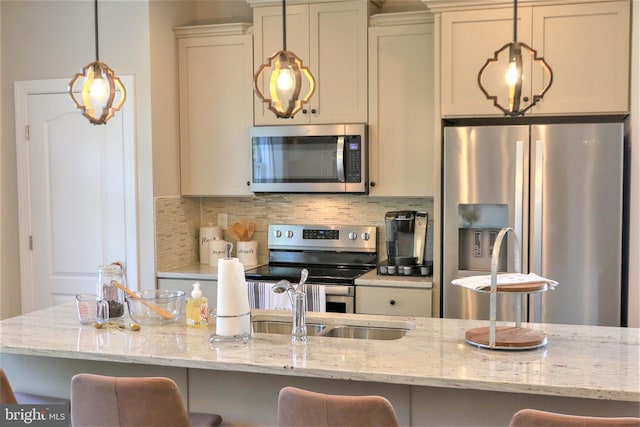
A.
x: 578, y: 361
x: 372, y: 278
x: 194, y: 271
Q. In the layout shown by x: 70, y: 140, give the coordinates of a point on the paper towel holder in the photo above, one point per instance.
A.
x: 228, y: 247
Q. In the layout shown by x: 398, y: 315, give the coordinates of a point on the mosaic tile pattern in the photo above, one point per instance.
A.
x: 177, y: 228
x: 178, y: 219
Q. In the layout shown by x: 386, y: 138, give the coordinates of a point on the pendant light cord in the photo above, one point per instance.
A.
x: 515, y: 21
x: 284, y: 25
x: 95, y: 16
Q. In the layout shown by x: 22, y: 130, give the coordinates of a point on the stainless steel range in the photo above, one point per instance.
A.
x: 334, y: 256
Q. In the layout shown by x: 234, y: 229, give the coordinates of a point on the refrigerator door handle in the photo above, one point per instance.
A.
x: 536, y: 241
x: 519, y: 185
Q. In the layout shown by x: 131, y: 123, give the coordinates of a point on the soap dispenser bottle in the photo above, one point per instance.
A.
x: 197, y: 308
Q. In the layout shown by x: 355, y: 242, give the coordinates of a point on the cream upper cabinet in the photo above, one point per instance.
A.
x: 216, y: 109
x: 331, y: 39
x: 586, y: 44
x: 401, y: 105
x: 587, y: 47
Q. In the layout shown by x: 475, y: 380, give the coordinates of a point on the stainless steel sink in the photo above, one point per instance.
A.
x: 336, y: 331
x: 278, y: 327
x: 366, y: 332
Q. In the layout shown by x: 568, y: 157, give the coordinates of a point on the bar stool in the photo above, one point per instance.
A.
x: 98, y: 400
x: 536, y: 418
x: 297, y: 407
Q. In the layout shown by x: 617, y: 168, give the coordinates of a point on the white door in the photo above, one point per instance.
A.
x: 76, y: 191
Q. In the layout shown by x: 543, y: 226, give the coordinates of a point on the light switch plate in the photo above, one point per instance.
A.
x: 222, y: 220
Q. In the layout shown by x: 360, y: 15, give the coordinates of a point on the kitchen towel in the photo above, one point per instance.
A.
x: 505, y: 279
x: 262, y: 297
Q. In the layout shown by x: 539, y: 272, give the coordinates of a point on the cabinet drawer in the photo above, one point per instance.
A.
x: 393, y: 301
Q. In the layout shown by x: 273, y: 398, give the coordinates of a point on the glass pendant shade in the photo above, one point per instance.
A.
x: 100, y: 92
x: 504, y: 74
x: 286, y: 76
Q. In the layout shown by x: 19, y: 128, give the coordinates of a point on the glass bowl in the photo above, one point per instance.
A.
x: 141, y: 309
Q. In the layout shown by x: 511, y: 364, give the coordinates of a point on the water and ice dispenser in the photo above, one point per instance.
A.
x: 478, y: 226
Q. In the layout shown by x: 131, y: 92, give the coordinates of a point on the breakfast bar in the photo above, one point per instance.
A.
x: 430, y: 374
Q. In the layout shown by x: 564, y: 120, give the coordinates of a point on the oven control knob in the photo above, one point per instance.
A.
x: 277, y: 234
x: 365, y: 236
x: 289, y: 233
x: 353, y: 235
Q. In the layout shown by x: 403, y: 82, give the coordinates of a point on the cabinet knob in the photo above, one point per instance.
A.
x: 304, y: 111
x: 372, y: 184
x: 392, y: 302
x: 525, y: 99
x: 248, y: 183
x: 313, y: 111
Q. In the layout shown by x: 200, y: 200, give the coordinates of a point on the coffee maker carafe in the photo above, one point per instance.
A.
x: 406, y: 235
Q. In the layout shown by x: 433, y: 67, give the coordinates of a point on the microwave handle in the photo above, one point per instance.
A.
x: 340, y: 159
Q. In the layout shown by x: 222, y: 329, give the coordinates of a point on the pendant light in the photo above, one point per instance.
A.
x: 285, y: 73
x: 102, y: 93
x: 514, y: 74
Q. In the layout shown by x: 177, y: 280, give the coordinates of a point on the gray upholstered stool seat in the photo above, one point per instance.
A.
x: 98, y: 400
x: 297, y: 407
x: 535, y: 418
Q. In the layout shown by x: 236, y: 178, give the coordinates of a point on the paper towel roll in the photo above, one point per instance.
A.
x: 208, y: 234
x: 232, y: 314
x: 233, y: 295
x: 231, y: 326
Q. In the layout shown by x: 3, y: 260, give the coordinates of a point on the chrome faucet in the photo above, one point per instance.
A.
x: 298, y: 297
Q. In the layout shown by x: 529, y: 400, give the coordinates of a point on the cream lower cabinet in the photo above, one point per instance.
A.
x: 586, y: 44
x: 216, y: 109
x: 401, y: 105
x: 331, y: 39
x: 393, y: 301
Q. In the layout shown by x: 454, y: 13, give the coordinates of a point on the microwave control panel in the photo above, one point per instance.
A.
x: 353, y: 159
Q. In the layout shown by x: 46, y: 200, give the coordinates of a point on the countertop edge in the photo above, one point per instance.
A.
x: 290, y: 370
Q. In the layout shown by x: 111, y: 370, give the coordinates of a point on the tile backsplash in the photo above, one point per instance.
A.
x: 178, y: 219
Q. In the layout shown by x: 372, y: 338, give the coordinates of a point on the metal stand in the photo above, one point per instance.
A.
x: 505, y: 337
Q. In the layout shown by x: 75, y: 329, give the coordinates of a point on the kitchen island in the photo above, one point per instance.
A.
x: 431, y: 376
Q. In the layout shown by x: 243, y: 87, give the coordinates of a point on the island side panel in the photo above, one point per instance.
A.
x: 51, y: 376
x: 247, y: 399
x: 451, y: 407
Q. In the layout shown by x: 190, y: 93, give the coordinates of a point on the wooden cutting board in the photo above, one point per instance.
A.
x: 507, y: 337
x: 522, y: 287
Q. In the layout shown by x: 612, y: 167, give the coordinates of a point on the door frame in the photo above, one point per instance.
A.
x: 22, y: 91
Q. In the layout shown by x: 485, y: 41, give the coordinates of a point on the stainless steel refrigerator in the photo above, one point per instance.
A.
x: 560, y: 187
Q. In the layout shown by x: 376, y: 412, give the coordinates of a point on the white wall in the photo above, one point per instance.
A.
x: 54, y: 39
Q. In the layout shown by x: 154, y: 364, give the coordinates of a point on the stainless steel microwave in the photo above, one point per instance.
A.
x: 309, y: 159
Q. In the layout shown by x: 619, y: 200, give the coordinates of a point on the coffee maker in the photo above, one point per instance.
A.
x: 406, y: 243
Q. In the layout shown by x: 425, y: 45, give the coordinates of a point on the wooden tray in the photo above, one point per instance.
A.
x: 507, y: 338
x: 522, y: 287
